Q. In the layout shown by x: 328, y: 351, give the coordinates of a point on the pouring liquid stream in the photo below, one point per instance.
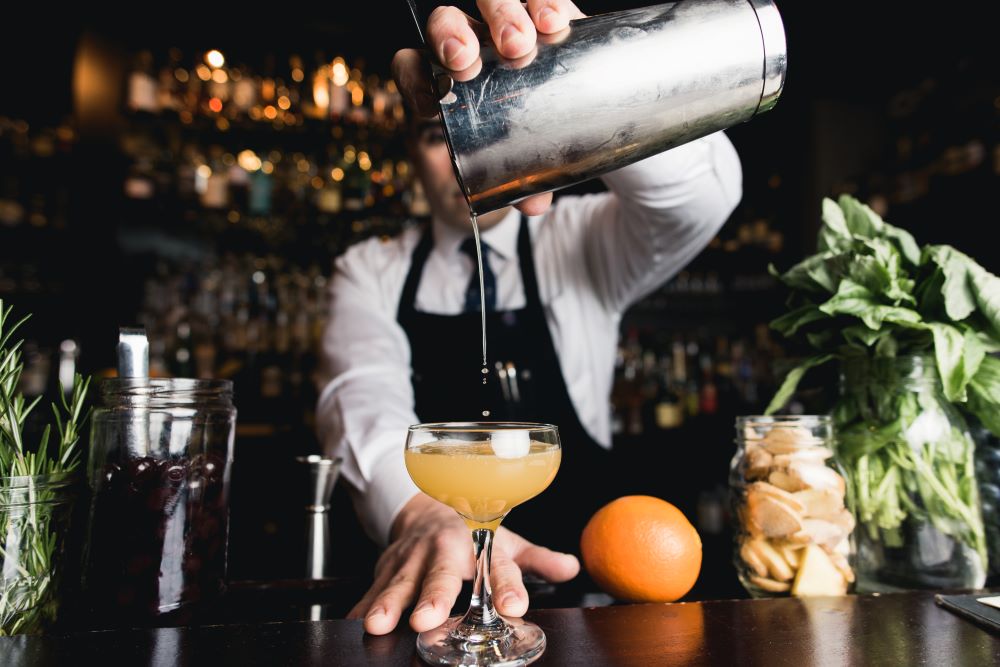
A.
x: 482, y: 292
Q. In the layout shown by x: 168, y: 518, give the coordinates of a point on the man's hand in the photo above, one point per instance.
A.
x: 430, y: 555
x: 452, y: 35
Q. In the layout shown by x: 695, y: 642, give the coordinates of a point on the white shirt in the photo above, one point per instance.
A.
x: 594, y: 254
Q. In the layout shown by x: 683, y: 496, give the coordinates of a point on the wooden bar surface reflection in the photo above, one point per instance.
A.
x: 901, y: 629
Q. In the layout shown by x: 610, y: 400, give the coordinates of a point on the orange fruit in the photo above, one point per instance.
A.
x: 641, y: 549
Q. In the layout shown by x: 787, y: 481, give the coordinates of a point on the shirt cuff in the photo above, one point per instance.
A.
x: 388, y: 489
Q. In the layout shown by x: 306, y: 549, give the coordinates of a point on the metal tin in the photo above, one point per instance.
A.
x: 609, y: 91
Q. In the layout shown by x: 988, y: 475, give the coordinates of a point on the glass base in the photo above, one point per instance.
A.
x: 516, y: 642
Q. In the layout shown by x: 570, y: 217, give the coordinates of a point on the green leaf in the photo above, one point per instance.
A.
x: 986, y: 291
x: 857, y: 300
x: 861, y: 220
x: 792, y: 321
x: 821, y: 340
x: 973, y: 352
x: 791, y: 382
x: 949, y: 353
x: 819, y: 273
x: 959, y: 300
x: 834, y: 235
x: 862, y: 335
x: 904, y: 242
x: 872, y: 274
x: 984, y: 394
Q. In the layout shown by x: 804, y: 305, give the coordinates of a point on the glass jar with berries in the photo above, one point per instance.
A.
x: 159, y: 469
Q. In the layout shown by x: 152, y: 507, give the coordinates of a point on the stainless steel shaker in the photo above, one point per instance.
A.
x: 609, y: 91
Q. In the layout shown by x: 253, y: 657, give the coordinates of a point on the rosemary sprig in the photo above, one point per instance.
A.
x: 31, y: 524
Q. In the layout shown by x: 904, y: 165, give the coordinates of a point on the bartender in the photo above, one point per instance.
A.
x: 403, y: 341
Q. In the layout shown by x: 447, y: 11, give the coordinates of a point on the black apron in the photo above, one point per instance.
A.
x: 447, y: 355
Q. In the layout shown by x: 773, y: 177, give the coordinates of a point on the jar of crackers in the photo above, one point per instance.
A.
x: 793, y: 526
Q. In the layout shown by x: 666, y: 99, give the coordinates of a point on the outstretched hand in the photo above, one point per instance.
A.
x: 430, y: 555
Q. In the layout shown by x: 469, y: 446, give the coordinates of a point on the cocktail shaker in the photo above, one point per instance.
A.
x: 608, y: 91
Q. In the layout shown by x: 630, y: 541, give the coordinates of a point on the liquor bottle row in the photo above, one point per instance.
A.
x: 283, y: 94
x: 188, y: 178
x: 664, y: 380
x: 255, y: 320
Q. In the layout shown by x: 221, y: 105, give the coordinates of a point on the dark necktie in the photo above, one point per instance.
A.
x: 489, y: 279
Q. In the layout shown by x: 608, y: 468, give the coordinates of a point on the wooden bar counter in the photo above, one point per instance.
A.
x: 892, y: 629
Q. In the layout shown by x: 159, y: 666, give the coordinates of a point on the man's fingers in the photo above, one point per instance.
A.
x: 388, y: 606
x: 535, y: 204
x: 552, y: 15
x: 509, y: 594
x: 546, y: 563
x: 452, y: 39
x: 512, y: 29
x: 384, y: 569
x: 412, y: 76
x: 442, y: 585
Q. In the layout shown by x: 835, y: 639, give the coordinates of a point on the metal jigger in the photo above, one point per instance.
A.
x: 322, y: 476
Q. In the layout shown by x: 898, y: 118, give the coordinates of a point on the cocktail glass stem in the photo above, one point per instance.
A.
x: 482, y: 622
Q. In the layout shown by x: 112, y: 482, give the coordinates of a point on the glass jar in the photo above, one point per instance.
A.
x: 909, y: 461
x: 988, y: 476
x: 159, y: 469
x: 35, y: 517
x: 793, y: 527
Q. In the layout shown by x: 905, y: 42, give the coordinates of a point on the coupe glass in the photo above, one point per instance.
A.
x: 482, y: 471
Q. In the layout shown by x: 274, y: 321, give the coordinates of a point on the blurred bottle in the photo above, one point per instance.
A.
x: 142, y: 85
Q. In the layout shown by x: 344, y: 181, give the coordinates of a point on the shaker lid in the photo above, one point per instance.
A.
x: 772, y: 31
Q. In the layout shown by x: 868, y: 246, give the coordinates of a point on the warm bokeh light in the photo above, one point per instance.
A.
x: 203, y: 73
x: 302, y: 165
x: 284, y: 103
x: 215, y: 58
x: 203, y: 171
x: 340, y: 73
x: 364, y: 161
x: 249, y: 160
x: 337, y: 174
x: 316, y: 182
x: 181, y: 75
x: 267, y: 89
x: 220, y: 76
x: 321, y: 88
x: 298, y: 75
x: 270, y: 112
x: 267, y: 167
x: 357, y: 95
x: 350, y: 154
x: 215, y: 104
